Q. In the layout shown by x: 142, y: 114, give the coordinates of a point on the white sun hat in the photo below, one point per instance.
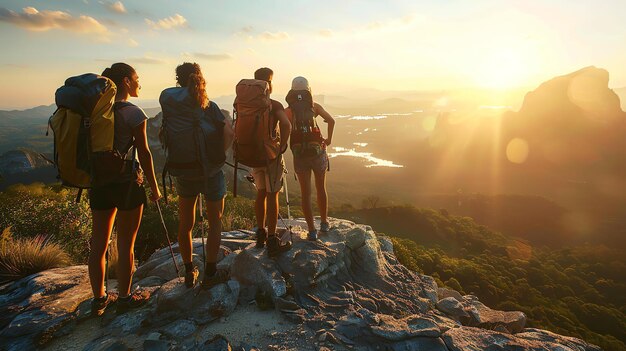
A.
x: 300, y: 83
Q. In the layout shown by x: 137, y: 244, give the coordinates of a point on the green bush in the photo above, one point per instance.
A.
x: 50, y: 211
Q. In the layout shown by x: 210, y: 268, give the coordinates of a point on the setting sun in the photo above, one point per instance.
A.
x: 504, y: 69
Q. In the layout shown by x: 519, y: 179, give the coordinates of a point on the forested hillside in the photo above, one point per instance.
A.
x: 578, y: 291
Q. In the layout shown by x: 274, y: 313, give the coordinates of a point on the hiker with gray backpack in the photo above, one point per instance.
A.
x: 195, y: 138
x: 97, y: 133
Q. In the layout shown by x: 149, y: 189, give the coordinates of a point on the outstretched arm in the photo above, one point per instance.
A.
x: 145, y: 159
x: 285, y: 129
x: 327, y: 119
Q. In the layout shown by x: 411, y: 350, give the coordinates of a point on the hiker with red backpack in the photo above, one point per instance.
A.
x: 309, y: 150
x: 261, y: 134
x: 97, y: 134
x: 196, y: 137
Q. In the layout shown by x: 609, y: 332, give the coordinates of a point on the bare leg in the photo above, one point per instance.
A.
x: 322, y: 197
x: 304, y: 179
x: 102, y: 226
x: 186, y: 220
x: 259, y: 208
x: 214, y: 209
x: 127, y: 227
x: 272, y: 213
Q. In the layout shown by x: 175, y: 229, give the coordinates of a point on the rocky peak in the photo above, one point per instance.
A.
x: 344, y: 291
x: 580, y: 97
x: 21, y: 160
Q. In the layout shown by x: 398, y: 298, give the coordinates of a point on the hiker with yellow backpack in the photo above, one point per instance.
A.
x: 97, y: 133
x: 195, y: 137
x: 309, y: 150
x: 261, y: 134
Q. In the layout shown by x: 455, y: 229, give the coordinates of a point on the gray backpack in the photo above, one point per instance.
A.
x: 193, y: 137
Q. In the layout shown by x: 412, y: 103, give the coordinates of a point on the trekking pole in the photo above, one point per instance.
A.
x: 106, y: 267
x: 167, y: 236
x: 202, y: 226
x: 288, y: 209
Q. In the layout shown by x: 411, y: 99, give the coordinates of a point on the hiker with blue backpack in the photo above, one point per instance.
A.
x: 195, y: 137
x: 98, y: 135
x: 309, y: 150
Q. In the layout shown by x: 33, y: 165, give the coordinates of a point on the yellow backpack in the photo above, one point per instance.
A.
x: 83, y: 126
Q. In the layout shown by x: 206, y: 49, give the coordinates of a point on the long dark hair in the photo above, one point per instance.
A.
x: 189, y: 75
x: 117, y: 72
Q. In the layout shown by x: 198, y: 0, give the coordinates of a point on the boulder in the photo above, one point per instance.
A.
x: 175, y: 301
x: 550, y: 337
x: 160, y: 263
x: 35, y: 307
x: 485, y: 317
x: 452, y: 307
x: 393, y: 329
x: 475, y: 339
x: 252, y: 267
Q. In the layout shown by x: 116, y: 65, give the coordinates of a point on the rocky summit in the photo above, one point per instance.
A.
x: 345, y: 291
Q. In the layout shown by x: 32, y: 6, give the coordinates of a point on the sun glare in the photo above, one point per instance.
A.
x: 502, y: 69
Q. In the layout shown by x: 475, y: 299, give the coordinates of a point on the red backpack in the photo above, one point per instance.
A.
x: 306, y: 138
x: 256, y: 142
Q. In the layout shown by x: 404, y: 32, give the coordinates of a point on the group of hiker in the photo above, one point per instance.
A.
x: 101, y: 144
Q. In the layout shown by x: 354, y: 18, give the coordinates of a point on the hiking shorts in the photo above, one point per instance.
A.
x: 270, y: 178
x: 213, y: 188
x: 318, y: 164
x: 123, y: 196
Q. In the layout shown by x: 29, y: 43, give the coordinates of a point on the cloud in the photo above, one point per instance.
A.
x: 41, y: 21
x: 327, y: 33
x: 395, y: 22
x: 171, y: 22
x: 212, y: 57
x: 274, y: 36
x: 147, y: 60
x: 117, y: 7
x: 132, y: 42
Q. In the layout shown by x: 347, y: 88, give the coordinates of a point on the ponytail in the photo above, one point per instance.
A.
x: 189, y: 75
x: 117, y: 72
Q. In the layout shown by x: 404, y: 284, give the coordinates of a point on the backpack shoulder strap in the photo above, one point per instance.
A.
x: 118, y: 105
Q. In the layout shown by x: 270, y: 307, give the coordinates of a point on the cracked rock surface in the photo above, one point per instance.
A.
x: 346, y: 290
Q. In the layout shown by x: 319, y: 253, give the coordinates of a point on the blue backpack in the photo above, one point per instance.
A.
x: 192, y: 137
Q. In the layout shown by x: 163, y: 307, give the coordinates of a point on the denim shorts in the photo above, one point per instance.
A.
x: 213, y: 188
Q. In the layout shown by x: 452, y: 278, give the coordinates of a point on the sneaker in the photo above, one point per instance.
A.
x: 134, y: 300
x: 191, y: 277
x: 100, y: 304
x: 324, y: 227
x: 275, y: 247
x: 261, y: 236
x: 220, y: 276
x: 312, y: 236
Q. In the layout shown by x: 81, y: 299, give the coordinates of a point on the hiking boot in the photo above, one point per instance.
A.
x: 261, y: 236
x: 275, y: 247
x: 100, y: 304
x: 191, y: 277
x: 134, y: 300
x: 220, y: 276
x: 312, y: 236
x: 324, y: 227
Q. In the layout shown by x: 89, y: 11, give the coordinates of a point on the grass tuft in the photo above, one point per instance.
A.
x: 22, y: 257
